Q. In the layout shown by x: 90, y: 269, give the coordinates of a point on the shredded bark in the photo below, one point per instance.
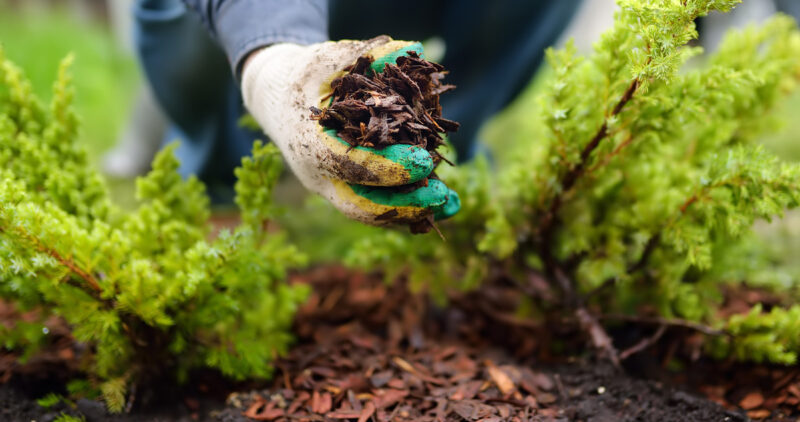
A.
x: 398, y: 106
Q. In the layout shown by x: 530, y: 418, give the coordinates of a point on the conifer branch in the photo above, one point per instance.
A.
x: 588, y: 322
x: 692, y: 199
x: 571, y: 177
x: 68, y: 263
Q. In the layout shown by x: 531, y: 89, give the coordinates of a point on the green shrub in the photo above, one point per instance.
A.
x: 634, y: 183
x: 148, y: 291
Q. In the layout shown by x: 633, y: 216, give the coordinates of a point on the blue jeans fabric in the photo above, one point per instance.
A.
x: 493, y: 49
x: 241, y: 26
x: 192, y: 82
x: 790, y: 7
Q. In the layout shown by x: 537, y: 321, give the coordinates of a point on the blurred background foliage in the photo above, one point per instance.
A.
x: 105, y: 76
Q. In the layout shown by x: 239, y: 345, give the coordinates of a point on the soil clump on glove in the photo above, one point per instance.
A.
x: 398, y: 106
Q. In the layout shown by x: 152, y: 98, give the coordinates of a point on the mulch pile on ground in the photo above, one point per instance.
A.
x: 372, y: 352
x: 383, y: 366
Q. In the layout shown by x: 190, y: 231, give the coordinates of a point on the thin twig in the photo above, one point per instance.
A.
x: 74, y: 268
x: 688, y: 203
x: 508, y: 319
x: 670, y: 322
x: 566, y: 286
x: 443, y: 158
x: 628, y: 140
x: 644, y: 343
x: 600, y: 339
x: 588, y: 323
x: 435, y: 227
x: 131, y: 398
x: 649, y: 247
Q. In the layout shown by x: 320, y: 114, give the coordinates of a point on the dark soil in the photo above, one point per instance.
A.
x: 368, y: 351
x: 15, y: 406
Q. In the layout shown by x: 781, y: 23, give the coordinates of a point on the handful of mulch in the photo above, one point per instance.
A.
x: 398, y: 106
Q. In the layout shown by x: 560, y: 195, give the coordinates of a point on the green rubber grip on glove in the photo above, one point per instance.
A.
x: 391, y: 58
x: 437, y: 197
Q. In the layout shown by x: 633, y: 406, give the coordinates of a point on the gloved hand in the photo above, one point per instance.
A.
x: 281, y: 82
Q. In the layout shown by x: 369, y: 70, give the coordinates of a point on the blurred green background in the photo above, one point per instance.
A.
x: 105, y: 77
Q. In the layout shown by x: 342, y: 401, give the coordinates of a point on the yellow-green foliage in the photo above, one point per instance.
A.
x: 638, y: 174
x: 147, y: 291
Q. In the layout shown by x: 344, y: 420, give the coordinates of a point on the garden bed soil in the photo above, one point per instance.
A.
x: 369, y: 351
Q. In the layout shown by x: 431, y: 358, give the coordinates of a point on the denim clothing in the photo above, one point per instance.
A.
x: 192, y: 81
x: 242, y: 26
x: 493, y: 49
x: 790, y: 7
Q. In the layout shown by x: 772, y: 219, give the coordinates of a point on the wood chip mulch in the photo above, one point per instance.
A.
x: 368, y: 351
x: 345, y: 371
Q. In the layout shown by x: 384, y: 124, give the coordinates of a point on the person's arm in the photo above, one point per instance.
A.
x: 277, y: 50
x: 242, y: 26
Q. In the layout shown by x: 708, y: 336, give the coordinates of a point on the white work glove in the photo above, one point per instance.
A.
x: 279, y: 85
